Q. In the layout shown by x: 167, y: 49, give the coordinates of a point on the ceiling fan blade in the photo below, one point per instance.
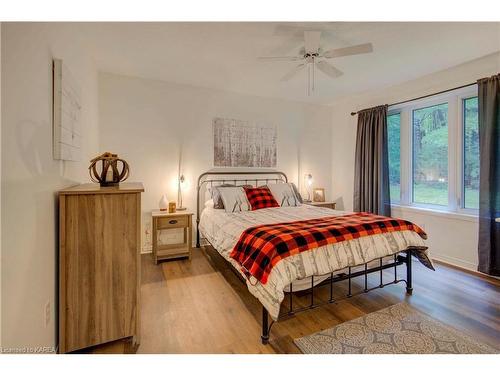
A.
x: 281, y: 58
x: 328, y: 69
x: 293, y: 72
x: 348, y: 51
x: 312, y: 41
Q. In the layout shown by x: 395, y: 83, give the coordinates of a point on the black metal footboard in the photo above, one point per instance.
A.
x: 398, y: 260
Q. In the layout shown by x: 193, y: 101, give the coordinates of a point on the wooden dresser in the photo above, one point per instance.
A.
x: 99, y: 264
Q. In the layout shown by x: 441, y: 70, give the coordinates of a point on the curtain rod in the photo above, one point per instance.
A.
x: 425, y: 96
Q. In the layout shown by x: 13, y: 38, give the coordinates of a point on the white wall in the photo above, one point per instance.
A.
x: 453, y: 239
x: 147, y: 121
x: 30, y: 177
x: 0, y: 187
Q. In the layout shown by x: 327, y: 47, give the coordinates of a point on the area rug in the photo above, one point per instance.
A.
x: 399, y: 329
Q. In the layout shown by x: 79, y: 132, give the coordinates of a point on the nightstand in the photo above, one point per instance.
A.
x: 163, y: 220
x: 322, y: 204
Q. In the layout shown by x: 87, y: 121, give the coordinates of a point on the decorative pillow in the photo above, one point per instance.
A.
x: 260, y: 197
x: 216, y: 196
x: 284, y: 194
x: 234, y: 198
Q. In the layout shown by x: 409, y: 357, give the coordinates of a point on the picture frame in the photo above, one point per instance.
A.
x: 244, y: 143
x: 319, y: 195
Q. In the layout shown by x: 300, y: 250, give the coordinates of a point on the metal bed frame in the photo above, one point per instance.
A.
x: 245, y: 178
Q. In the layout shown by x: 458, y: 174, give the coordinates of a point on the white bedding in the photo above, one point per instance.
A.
x: 223, y: 230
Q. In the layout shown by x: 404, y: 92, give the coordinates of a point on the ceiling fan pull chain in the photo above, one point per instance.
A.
x: 308, y: 79
x: 313, y: 79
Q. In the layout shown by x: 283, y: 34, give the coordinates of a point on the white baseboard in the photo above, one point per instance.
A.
x: 146, y: 250
x: 456, y: 262
x: 462, y: 264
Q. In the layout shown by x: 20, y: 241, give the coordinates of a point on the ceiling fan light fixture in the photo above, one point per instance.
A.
x: 312, y: 57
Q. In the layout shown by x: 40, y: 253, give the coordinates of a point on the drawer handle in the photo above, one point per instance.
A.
x: 172, y: 222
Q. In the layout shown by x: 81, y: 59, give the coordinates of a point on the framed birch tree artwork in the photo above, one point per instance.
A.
x: 240, y: 143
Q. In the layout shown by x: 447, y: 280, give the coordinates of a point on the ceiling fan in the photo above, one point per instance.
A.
x: 311, y: 56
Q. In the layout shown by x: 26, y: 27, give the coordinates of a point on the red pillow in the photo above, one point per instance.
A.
x: 260, y: 197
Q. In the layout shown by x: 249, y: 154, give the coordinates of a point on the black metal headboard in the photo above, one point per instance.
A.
x: 214, y: 178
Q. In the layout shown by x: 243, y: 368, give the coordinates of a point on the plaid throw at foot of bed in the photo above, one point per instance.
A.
x: 260, y: 248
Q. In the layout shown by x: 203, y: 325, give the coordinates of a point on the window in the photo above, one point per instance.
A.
x: 394, y: 148
x: 433, y: 147
x: 470, y: 153
x: 430, y: 155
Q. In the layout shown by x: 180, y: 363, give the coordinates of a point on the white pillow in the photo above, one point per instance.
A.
x: 209, y: 203
x: 234, y: 199
x: 284, y: 194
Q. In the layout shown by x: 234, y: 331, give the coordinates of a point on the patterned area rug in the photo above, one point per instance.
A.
x: 398, y: 329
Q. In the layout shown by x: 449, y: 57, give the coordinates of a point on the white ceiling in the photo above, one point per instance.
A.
x: 224, y: 55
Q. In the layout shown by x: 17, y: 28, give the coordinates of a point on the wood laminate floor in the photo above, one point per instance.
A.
x: 200, y: 306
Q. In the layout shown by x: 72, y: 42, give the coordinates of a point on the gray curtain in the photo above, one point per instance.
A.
x: 489, y: 180
x: 371, y: 174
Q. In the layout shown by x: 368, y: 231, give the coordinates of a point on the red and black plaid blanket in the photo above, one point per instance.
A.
x: 260, y: 248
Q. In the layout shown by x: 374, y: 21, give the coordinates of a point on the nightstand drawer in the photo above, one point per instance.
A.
x: 172, y: 222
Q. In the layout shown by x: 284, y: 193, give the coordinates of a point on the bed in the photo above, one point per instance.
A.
x: 320, y: 267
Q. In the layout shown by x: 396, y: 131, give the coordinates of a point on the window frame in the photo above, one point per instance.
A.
x: 391, y: 113
x: 461, y: 156
x: 455, y: 101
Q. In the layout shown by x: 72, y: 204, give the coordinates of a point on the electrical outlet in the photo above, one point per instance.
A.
x: 47, y: 313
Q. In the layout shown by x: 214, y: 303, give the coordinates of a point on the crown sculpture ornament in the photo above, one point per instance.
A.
x: 110, y: 173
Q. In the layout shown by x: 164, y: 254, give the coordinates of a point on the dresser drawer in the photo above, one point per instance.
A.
x: 172, y: 222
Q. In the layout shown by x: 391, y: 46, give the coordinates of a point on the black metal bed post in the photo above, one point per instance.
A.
x: 409, y: 285
x: 198, y: 213
x: 265, y: 326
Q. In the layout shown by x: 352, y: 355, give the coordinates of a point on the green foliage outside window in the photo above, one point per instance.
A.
x: 430, y: 155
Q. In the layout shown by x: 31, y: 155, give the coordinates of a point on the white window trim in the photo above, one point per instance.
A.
x: 460, y: 154
x: 400, y: 198
x: 454, y: 99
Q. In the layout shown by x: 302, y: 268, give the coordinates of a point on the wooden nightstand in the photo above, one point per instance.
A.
x: 322, y: 204
x: 164, y: 221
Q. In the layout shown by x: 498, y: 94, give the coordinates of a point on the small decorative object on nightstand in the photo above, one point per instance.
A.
x: 322, y: 204
x: 163, y: 204
x: 319, y: 195
x: 168, y: 221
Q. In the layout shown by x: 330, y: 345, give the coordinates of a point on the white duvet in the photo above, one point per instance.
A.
x: 223, y: 231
